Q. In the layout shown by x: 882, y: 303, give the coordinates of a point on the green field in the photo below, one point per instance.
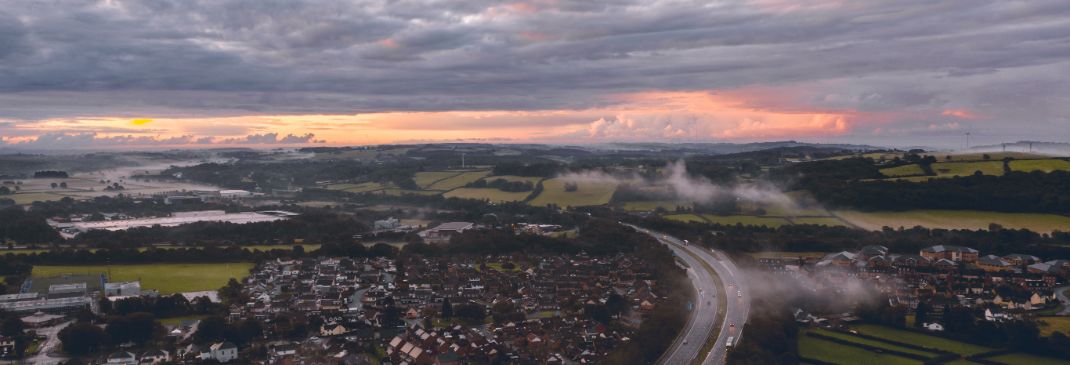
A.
x: 457, y: 181
x: 651, y: 205
x: 357, y: 188
x: 1052, y: 324
x: 1040, y: 165
x: 493, y: 195
x: 875, y: 343
x: 1026, y: 359
x: 824, y: 221
x: 589, y: 193
x: 920, y: 339
x: 167, y: 278
x: 956, y: 219
x: 686, y: 218
x: 819, y: 349
x: 399, y: 192
x: 513, y: 178
x: 747, y: 220
x: 27, y: 198
x: 947, y: 169
x: 426, y: 178
x: 905, y: 170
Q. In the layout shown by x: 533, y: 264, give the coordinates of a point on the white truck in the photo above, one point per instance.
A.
x: 728, y: 344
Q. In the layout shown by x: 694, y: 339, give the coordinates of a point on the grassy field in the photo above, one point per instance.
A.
x: 513, y: 178
x: 920, y: 339
x: 589, y: 193
x: 1026, y: 359
x: 956, y: 219
x: 167, y: 278
x: 1052, y: 324
x: 493, y: 195
x: 27, y: 198
x: 948, y: 169
x: 818, y: 349
x: 687, y: 218
x: 460, y: 180
x: 1040, y: 165
x: 905, y: 170
x: 426, y: 178
x: 747, y: 220
x: 650, y: 205
x: 357, y: 188
x: 175, y: 321
x: 875, y: 343
x: 824, y: 221
x: 399, y: 192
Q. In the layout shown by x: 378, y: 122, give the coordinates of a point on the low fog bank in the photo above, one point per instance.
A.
x: 809, y: 294
x: 673, y: 182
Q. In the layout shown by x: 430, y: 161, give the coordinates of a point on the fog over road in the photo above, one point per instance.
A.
x: 702, y: 325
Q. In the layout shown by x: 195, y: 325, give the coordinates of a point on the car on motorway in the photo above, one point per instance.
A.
x: 685, y: 341
x: 739, y: 293
x: 728, y: 343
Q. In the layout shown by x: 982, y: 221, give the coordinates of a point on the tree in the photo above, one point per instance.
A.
x: 210, y: 329
x: 921, y: 314
x: 447, y: 308
x: 82, y: 338
x: 231, y: 293
x: 471, y: 312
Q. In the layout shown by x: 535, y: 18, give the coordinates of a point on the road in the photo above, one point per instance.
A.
x: 1060, y: 293
x: 702, y: 325
x: 49, y: 347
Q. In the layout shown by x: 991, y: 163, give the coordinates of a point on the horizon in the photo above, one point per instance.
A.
x: 116, y: 74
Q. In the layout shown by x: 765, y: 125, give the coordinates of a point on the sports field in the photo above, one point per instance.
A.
x: 956, y: 219
x: 490, y: 194
x: 588, y: 193
x: 167, y: 278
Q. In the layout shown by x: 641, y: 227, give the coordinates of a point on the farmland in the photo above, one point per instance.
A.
x: 357, y: 188
x: 512, y: 178
x: 167, y: 278
x: 747, y: 220
x: 425, y: 179
x: 1040, y: 165
x: 651, y: 205
x: 458, y: 180
x: 955, y: 219
x: 588, y: 193
x: 935, y: 342
x: 828, y: 351
x: 490, y: 194
x: 1052, y: 324
x: 686, y: 218
x: 1026, y: 359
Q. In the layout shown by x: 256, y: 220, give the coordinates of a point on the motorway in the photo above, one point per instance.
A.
x: 703, y: 322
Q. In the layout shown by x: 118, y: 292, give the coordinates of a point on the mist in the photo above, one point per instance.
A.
x: 676, y: 184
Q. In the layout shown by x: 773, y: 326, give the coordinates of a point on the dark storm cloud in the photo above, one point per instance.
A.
x: 210, y: 58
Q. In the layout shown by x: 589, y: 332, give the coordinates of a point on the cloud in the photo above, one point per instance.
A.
x: 228, y: 58
x: 61, y: 140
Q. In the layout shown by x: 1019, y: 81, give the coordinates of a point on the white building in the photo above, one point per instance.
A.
x: 123, y: 289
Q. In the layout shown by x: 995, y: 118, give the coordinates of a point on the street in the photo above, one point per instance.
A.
x: 703, y: 316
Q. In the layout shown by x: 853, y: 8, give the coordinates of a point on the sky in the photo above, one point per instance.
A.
x: 173, y: 73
